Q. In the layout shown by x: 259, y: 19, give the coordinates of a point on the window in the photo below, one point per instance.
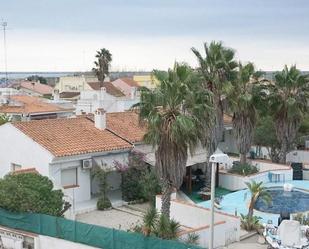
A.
x: 15, y: 167
x: 69, y: 177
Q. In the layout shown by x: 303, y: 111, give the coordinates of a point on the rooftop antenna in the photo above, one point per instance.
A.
x: 4, y: 25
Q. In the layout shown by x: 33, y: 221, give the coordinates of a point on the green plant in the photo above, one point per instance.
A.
x: 243, y: 98
x: 177, y: 114
x: 158, y: 225
x: 103, y: 203
x: 302, y: 218
x: 4, y: 119
x: 257, y: 190
x: 250, y: 223
x: 243, y: 169
x: 288, y: 103
x: 31, y: 192
x: 192, y: 239
x: 100, y: 173
x: 101, y: 69
x: 138, y: 180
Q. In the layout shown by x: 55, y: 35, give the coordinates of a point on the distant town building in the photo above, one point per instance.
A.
x: 146, y: 80
x: 34, y: 89
x: 128, y: 86
x: 25, y: 108
x: 74, y: 83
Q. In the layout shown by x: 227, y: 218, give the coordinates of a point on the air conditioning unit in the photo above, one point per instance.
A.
x: 87, y: 164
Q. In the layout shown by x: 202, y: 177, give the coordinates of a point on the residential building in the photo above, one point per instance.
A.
x: 66, y: 149
x: 75, y: 83
x: 25, y: 108
x: 147, y: 80
x: 35, y: 89
x: 105, y: 96
x: 128, y: 86
x: 5, y: 94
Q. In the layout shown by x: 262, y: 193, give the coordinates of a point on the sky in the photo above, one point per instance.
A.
x: 63, y: 35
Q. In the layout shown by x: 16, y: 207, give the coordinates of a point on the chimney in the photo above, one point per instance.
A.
x: 100, y: 119
x: 133, y: 92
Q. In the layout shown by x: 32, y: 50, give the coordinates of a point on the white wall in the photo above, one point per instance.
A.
x: 229, y: 143
x: 298, y: 156
x: 198, y: 218
x: 45, y: 242
x: 16, y: 147
x: 235, y: 182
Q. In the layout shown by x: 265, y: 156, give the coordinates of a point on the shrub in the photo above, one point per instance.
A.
x: 192, y: 239
x: 31, y: 192
x: 138, y: 180
x: 250, y: 223
x: 103, y: 203
x: 243, y: 169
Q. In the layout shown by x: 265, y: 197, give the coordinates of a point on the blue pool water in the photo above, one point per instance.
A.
x: 282, y: 201
x: 237, y: 202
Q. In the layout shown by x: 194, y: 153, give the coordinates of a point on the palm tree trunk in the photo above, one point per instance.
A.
x: 283, y: 152
x: 166, y: 198
x: 251, y: 206
x: 243, y: 158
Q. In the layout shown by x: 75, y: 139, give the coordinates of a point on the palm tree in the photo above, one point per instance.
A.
x: 243, y: 100
x: 176, y: 114
x: 289, y: 100
x: 257, y: 190
x: 218, y: 70
x: 102, y: 64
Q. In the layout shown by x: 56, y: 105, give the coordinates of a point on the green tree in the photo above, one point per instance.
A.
x: 257, y: 190
x: 218, y: 69
x: 176, y: 113
x: 102, y: 64
x: 31, y: 192
x: 41, y: 79
x: 100, y: 172
x: 265, y: 136
x: 288, y: 102
x: 243, y: 100
x: 4, y: 119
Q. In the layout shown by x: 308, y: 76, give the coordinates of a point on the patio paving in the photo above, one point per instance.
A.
x: 110, y: 218
x: 250, y: 243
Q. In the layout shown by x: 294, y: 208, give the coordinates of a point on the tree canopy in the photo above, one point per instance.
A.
x: 30, y: 192
x: 102, y: 64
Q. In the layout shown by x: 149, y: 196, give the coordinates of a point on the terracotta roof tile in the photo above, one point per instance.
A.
x: 130, y: 82
x: 27, y: 170
x: 73, y: 136
x: 110, y: 88
x: 125, y: 125
x: 37, y: 87
x: 29, y: 104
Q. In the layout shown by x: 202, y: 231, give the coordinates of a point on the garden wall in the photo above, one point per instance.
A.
x: 197, y: 220
x: 235, y: 182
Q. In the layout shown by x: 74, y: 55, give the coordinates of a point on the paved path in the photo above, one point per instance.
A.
x: 110, y: 218
x: 250, y: 243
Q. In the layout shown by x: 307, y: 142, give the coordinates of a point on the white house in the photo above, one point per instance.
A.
x: 106, y: 96
x: 64, y: 150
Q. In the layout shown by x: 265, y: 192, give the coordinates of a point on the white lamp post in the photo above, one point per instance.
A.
x: 214, y: 161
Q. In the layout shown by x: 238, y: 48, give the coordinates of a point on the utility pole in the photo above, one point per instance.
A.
x: 4, y: 25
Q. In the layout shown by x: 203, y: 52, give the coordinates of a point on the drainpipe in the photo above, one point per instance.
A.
x: 212, y: 198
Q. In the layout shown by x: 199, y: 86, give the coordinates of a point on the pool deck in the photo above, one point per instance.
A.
x: 237, y: 202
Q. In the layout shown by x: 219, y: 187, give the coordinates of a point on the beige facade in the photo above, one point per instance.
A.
x: 74, y: 83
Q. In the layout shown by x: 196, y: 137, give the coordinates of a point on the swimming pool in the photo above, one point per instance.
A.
x: 283, y: 201
x: 237, y: 202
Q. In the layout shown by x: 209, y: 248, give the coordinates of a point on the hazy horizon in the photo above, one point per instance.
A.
x: 59, y: 36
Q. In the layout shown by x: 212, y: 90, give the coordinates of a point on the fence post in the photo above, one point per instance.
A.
x: 113, y: 244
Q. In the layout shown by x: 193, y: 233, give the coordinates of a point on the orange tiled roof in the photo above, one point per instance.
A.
x: 73, y: 136
x: 27, y: 170
x: 124, y: 124
x: 130, y: 82
x: 29, y: 104
x: 37, y: 87
x: 110, y: 88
